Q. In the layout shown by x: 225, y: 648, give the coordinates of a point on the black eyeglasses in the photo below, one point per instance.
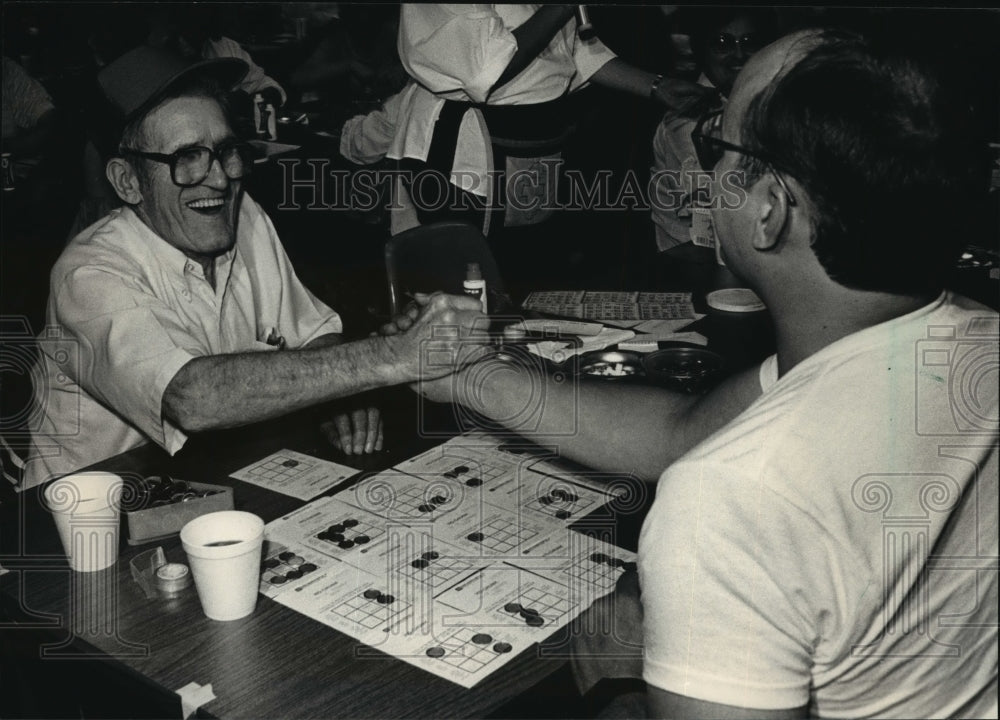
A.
x: 726, y: 44
x: 189, y: 166
x: 710, y: 148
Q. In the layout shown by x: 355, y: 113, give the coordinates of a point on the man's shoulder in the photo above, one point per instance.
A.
x: 110, y: 244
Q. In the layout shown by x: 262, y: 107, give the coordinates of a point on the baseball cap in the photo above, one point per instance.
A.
x: 134, y: 83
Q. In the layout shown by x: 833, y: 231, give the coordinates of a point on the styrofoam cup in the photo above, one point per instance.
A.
x: 223, y: 549
x: 86, y: 509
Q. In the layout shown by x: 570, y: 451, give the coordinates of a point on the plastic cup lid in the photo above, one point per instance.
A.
x: 735, y: 300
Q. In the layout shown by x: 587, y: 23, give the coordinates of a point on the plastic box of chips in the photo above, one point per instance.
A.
x: 149, y: 523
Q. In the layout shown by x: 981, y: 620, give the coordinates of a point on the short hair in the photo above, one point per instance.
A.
x: 886, y: 152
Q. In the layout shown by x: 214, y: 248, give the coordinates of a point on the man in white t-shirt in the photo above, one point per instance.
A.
x: 831, y: 551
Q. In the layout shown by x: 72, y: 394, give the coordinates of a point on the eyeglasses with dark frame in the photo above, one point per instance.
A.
x: 710, y: 150
x: 726, y: 43
x: 190, y: 166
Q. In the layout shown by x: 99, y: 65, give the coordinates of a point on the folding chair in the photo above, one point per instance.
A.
x: 434, y: 257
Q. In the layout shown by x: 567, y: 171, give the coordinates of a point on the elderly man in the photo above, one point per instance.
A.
x: 831, y: 551
x: 180, y: 312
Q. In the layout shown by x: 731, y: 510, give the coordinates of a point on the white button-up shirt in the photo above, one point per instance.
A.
x: 127, y: 310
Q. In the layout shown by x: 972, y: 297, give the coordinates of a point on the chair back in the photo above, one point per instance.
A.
x: 434, y: 257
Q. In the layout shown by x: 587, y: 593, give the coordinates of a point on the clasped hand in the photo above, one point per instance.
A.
x: 438, y: 334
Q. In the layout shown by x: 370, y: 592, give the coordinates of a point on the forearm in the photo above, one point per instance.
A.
x: 534, y: 36
x: 224, y: 391
x: 617, y: 74
x: 613, y: 428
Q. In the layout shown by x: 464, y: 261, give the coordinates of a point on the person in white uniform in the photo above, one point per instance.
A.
x: 489, y: 96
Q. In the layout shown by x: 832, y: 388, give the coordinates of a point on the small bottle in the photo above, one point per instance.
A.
x: 474, y: 285
x: 264, y: 118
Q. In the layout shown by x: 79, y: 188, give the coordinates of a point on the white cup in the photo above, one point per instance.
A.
x: 223, y: 549
x: 86, y: 508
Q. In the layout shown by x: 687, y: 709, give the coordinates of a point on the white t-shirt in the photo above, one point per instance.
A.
x: 457, y: 52
x: 127, y: 310
x: 836, y: 543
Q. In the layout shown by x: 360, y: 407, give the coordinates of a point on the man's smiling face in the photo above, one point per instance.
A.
x: 200, y: 221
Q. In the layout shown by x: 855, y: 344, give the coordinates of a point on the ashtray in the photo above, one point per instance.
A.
x: 610, y: 364
x: 688, y: 369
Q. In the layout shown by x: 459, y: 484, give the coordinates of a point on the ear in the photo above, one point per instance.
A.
x: 124, y: 180
x: 772, y: 214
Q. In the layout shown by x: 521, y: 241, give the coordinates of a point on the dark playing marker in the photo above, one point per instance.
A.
x: 431, y: 555
x: 435, y: 652
x: 350, y: 522
x: 534, y: 621
x: 419, y: 563
x: 335, y: 537
x: 386, y: 599
x: 599, y: 557
x: 307, y: 568
x: 286, y: 556
x: 476, y: 537
x: 345, y: 544
x: 293, y: 574
x: 271, y: 563
x: 545, y: 500
x: 450, y: 475
x: 473, y: 482
x: 371, y: 593
x: 426, y: 508
x: 557, y: 494
x: 482, y: 639
x: 323, y: 535
x: 335, y: 528
x: 291, y: 463
x: 563, y: 514
x: 278, y: 580
x: 502, y: 647
x: 461, y: 469
x: 362, y: 539
x: 439, y: 499
x: 528, y: 612
x: 512, y: 607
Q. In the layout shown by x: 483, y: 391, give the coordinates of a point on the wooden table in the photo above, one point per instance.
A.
x: 275, y: 663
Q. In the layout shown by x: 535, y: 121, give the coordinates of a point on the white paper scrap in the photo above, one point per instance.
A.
x: 193, y: 696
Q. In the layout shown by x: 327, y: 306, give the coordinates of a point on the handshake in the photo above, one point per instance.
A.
x: 431, y: 339
x: 436, y: 335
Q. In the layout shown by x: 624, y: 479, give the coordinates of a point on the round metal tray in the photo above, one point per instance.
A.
x: 687, y: 369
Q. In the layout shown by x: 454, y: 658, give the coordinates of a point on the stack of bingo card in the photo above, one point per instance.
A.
x: 612, y: 306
